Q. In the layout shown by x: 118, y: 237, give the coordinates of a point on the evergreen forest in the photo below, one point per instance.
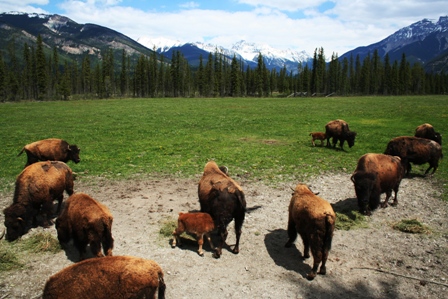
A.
x: 37, y: 73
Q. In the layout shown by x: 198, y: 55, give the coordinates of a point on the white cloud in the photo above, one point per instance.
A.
x: 349, y: 24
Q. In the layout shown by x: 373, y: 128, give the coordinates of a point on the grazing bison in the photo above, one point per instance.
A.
x: 106, y: 278
x: 88, y: 222
x: 50, y: 149
x: 199, y: 224
x: 339, y: 130
x: 37, y: 186
x: 318, y: 136
x: 427, y: 131
x: 415, y: 150
x: 224, y: 200
x: 314, y: 219
x: 376, y: 174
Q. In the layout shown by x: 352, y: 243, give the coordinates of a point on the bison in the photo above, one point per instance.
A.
x: 415, y: 150
x: 318, y: 136
x: 314, y: 219
x: 88, y: 222
x: 222, y: 198
x: 338, y: 130
x: 199, y: 224
x: 106, y: 278
x: 374, y: 175
x: 37, y: 186
x: 427, y: 131
x: 50, y: 149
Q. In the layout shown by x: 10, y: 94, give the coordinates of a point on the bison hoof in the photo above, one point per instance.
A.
x: 201, y: 253
x: 311, y: 276
x: 217, y: 254
x: 384, y: 205
x: 236, y: 251
x: 323, y: 270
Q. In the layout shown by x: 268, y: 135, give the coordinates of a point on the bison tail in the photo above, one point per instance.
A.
x: 162, y: 287
x: 21, y: 152
x: 329, y: 227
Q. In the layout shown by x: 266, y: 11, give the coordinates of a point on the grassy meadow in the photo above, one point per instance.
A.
x: 257, y: 138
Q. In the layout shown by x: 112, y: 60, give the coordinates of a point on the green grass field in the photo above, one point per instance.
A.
x: 256, y: 138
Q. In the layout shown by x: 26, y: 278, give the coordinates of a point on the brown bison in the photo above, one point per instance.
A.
x: 52, y: 150
x: 427, y: 131
x: 314, y: 219
x: 37, y: 186
x: 339, y: 130
x: 415, y: 150
x: 318, y: 136
x: 224, y: 200
x: 376, y: 174
x: 106, y: 278
x: 200, y: 224
x: 88, y: 222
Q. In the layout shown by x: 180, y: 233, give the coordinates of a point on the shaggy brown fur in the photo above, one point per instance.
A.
x: 199, y: 224
x: 37, y: 186
x: 376, y: 174
x: 88, y: 222
x: 224, y: 200
x: 415, y: 150
x: 318, y: 136
x: 51, y: 149
x: 107, y: 278
x: 338, y: 130
x: 427, y: 131
x: 314, y: 220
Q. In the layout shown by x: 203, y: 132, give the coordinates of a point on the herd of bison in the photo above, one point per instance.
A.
x: 88, y: 223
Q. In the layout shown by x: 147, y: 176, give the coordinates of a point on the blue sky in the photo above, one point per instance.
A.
x: 338, y: 25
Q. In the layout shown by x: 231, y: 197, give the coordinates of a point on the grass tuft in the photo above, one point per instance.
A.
x: 349, y: 219
x: 168, y: 226
x: 9, y: 257
x: 412, y: 226
x: 41, y: 242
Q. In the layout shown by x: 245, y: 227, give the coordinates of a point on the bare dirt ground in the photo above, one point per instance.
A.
x: 410, y: 265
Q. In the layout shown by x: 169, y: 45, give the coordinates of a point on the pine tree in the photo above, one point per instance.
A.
x: 41, y: 69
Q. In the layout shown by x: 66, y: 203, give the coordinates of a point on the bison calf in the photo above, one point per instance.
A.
x: 314, y: 220
x: 200, y: 224
x: 374, y: 175
x: 106, y: 278
x: 318, y: 136
x: 51, y: 149
x: 88, y: 222
x: 37, y: 186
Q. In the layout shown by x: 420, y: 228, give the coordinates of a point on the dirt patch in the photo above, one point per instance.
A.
x: 375, y: 262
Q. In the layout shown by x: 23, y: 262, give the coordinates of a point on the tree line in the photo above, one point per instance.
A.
x: 41, y: 76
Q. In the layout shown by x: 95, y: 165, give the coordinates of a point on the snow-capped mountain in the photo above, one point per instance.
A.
x: 242, y: 50
x: 420, y: 41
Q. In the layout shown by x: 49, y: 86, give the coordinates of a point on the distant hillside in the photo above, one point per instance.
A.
x: 425, y: 42
x: 72, y: 39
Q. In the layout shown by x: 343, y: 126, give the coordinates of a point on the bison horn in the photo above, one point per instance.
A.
x: 20, y: 219
x: 3, y: 234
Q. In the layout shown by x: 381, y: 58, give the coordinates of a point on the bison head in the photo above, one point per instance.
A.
x: 73, y: 151
x: 366, y: 189
x: 14, y: 223
x: 351, y: 138
x: 438, y: 138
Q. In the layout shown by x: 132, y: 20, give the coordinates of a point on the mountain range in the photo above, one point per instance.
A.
x: 425, y: 42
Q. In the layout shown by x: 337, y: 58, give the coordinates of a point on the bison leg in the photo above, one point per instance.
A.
x: 95, y: 248
x: 223, y: 233
x: 239, y: 219
x: 207, y: 235
x: 81, y: 247
x: 200, y: 238
x: 292, y: 233
x: 388, y: 195
x: 306, y: 245
x: 107, y: 243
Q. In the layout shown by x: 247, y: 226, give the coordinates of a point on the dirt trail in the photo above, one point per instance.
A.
x: 265, y: 268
